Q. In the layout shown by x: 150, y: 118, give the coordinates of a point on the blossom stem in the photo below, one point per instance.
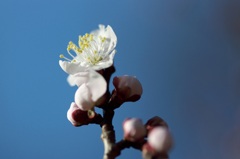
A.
x: 108, y: 73
x: 121, y: 145
x: 114, y: 101
x: 98, y: 119
x: 108, y: 133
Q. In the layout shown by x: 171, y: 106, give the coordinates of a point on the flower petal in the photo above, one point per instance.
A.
x: 71, y: 68
x: 78, y: 78
x: 71, y: 80
x: 93, y: 79
x: 72, y: 108
x: 83, y: 98
x: 110, y: 34
x: 99, y: 31
x: 97, y: 84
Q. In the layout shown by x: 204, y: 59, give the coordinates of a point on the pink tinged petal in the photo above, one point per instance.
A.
x: 134, y: 129
x: 76, y: 116
x: 128, y: 87
x: 94, y: 81
x: 72, y: 108
x: 71, y: 68
x: 92, y: 86
x: 97, y: 85
x: 160, y: 139
x: 79, y: 78
x: 83, y: 98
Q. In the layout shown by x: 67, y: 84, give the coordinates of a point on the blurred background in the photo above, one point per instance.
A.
x: 186, y: 53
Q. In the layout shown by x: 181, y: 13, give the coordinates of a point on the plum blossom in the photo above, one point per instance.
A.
x: 134, y: 129
x: 94, y: 51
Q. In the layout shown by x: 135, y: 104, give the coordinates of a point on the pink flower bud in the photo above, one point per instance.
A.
x: 134, y: 129
x: 128, y: 88
x: 160, y: 139
x: 77, y: 116
x: 154, y: 122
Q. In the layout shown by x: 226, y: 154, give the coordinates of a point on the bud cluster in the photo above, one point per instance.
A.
x: 154, y: 134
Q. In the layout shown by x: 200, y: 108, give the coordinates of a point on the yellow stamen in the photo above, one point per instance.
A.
x: 103, y: 39
x: 91, y: 54
x: 61, y: 56
x: 91, y: 37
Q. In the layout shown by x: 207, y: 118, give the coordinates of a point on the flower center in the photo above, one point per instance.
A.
x: 91, y: 49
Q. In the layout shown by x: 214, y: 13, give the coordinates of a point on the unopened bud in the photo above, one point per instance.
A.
x: 160, y: 139
x: 134, y: 129
x: 77, y: 116
x: 154, y: 122
x: 128, y: 88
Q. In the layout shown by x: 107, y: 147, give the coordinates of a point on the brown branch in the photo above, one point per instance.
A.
x: 121, y: 145
x: 108, y: 133
x: 108, y: 137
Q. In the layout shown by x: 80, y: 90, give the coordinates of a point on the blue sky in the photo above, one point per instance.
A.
x: 185, y: 53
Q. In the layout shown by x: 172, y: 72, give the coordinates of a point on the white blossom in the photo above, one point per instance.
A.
x: 94, y: 51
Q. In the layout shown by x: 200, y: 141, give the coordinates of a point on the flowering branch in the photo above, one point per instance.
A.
x: 90, y: 70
